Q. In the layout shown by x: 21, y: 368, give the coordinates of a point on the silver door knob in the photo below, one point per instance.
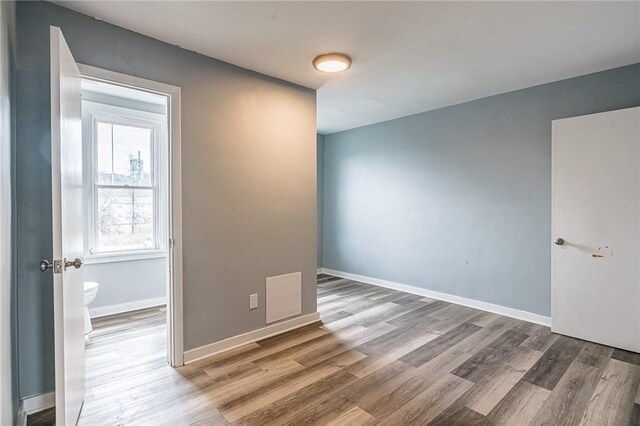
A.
x: 45, y: 265
x: 76, y: 263
x: 559, y: 241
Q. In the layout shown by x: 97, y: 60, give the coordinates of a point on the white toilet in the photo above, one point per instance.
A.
x: 90, y: 293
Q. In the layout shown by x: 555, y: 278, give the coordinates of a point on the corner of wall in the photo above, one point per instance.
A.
x: 320, y: 189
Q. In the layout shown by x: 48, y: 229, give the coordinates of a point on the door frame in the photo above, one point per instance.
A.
x: 175, y: 316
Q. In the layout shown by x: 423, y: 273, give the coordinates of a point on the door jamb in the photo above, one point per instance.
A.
x: 175, y: 316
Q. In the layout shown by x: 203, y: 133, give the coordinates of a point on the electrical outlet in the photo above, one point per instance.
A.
x: 253, y: 301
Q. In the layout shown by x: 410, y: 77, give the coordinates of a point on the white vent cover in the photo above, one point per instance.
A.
x: 284, y: 296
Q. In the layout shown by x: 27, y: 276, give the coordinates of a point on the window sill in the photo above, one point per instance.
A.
x: 123, y: 257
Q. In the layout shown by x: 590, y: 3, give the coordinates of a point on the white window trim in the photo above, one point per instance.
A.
x: 93, y: 112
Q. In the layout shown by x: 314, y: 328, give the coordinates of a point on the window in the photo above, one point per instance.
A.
x: 125, y: 184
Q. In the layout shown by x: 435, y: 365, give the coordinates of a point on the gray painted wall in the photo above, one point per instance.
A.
x: 8, y: 388
x: 458, y: 200
x: 320, y: 157
x: 249, y: 180
x: 128, y: 281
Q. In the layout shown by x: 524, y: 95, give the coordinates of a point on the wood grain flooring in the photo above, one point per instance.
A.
x: 378, y: 357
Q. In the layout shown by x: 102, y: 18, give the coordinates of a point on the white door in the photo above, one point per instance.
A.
x: 596, y: 211
x: 68, y: 282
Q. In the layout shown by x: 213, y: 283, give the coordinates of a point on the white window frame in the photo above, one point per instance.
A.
x: 93, y: 113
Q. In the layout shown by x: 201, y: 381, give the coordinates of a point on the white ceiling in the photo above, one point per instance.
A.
x: 408, y: 57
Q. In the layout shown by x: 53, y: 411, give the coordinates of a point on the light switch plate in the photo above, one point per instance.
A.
x: 253, y: 301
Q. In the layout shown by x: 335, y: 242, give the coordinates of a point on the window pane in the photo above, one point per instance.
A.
x: 124, y: 154
x: 125, y: 219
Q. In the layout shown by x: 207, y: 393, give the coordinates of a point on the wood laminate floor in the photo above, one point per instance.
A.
x: 378, y: 357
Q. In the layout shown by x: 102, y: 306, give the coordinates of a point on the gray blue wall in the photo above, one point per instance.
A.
x: 248, y: 180
x: 128, y: 281
x: 320, y: 162
x: 458, y: 200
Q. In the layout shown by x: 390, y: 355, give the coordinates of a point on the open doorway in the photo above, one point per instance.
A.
x: 132, y: 217
x: 125, y: 182
x: 126, y: 228
x: 132, y: 224
x: 132, y: 193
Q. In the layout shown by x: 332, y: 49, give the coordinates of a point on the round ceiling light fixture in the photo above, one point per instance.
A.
x: 332, y: 62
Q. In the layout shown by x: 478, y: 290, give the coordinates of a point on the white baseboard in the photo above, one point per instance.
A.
x: 103, y: 311
x: 319, y: 271
x: 35, y: 404
x: 197, y: 354
x: 477, y: 304
x: 21, y: 419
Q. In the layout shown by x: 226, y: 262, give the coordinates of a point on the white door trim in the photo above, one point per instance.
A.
x: 174, y: 285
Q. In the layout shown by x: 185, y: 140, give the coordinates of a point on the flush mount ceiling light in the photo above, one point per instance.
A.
x: 332, y: 62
